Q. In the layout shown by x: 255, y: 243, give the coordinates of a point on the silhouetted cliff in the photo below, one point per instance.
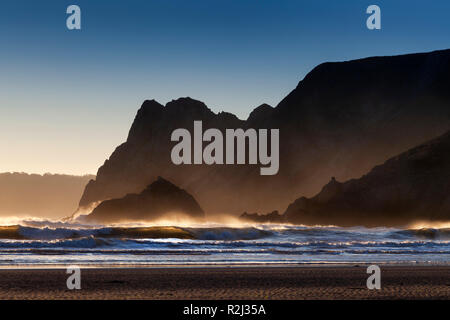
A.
x: 341, y: 120
x: 410, y: 187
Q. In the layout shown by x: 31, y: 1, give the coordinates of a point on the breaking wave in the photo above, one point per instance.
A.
x: 18, y: 232
x: 36, y: 242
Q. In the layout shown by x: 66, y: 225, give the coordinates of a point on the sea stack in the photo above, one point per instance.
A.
x: 161, y: 199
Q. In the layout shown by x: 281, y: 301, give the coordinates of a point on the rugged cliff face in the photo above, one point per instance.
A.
x: 161, y: 199
x: 341, y: 120
x: 407, y: 188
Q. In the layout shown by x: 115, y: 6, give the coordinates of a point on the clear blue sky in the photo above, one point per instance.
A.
x: 67, y: 98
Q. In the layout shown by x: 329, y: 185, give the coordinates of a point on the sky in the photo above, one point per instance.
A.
x: 68, y: 97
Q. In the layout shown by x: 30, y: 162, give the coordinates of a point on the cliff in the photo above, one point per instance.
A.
x: 413, y: 186
x: 342, y: 119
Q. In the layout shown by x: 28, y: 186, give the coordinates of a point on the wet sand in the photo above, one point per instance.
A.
x: 229, y: 283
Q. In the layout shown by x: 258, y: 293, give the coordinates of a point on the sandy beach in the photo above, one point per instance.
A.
x: 229, y: 283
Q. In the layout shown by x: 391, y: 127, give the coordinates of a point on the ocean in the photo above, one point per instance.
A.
x: 40, y: 243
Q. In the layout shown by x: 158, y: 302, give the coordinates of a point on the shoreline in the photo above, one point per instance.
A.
x: 228, y: 283
x: 223, y: 265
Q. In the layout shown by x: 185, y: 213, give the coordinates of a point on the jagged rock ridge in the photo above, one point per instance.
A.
x: 341, y: 120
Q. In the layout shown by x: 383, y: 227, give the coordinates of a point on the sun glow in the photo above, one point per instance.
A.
x: 430, y: 224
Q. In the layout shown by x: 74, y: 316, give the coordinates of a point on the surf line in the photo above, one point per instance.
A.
x: 235, y: 139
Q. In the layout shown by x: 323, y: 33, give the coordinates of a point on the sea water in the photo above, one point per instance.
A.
x: 41, y: 243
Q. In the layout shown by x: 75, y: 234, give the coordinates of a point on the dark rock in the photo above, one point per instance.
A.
x: 341, y: 120
x: 410, y: 187
x: 260, y: 114
x: 159, y: 199
x: 273, y: 217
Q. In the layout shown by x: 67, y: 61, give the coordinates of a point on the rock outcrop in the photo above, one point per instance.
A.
x: 273, y: 217
x: 413, y: 186
x: 161, y: 199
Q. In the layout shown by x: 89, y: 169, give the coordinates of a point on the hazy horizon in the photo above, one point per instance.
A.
x: 49, y: 174
x: 44, y: 196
